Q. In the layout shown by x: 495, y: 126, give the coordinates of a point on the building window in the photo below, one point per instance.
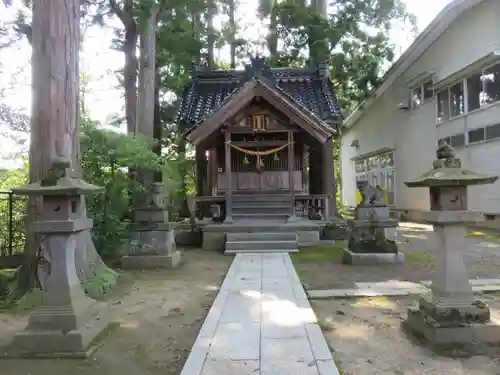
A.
x: 493, y: 131
x: 443, y: 105
x: 483, y: 88
x: 378, y: 170
x: 443, y: 141
x: 416, y: 97
x: 491, y: 85
x: 476, y: 135
x: 457, y: 140
x: 457, y: 99
x: 428, y: 91
x: 419, y: 94
x: 474, y: 91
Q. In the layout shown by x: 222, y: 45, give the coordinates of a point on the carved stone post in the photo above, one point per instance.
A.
x: 153, y: 237
x: 67, y: 319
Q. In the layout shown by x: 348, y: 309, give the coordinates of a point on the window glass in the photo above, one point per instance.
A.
x: 360, y: 166
x: 416, y: 96
x: 427, y: 89
x: 476, y: 135
x: 474, y: 91
x: 491, y: 85
x: 493, y: 131
x: 457, y: 99
x: 443, y: 98
x: 457, y: 140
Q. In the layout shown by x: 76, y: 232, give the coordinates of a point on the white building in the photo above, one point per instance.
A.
x: 446, y: 86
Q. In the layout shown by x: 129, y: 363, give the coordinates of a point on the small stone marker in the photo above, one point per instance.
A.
x: 367, y: 241
x: 67, y: 319
x: 448, y: 318
x: 153, y: 238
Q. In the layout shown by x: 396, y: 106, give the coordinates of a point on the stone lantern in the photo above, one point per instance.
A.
x: 448, y: 318
x: 67, y: 319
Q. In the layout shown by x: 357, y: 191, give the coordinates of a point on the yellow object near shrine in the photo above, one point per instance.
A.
x: 386, y: 196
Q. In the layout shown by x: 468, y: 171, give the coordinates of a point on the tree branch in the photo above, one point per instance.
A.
x: 126, y: 18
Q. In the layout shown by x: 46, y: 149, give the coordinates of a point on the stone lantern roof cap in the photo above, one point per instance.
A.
x: 58, y: 182
x: 447, y: 171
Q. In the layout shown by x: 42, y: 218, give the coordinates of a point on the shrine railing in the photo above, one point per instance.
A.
x: 313, y: 207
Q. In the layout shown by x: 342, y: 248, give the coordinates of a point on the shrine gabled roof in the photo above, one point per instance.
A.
x: 310, y: 89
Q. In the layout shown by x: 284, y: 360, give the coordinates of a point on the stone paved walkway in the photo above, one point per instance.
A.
x: 260, y: 323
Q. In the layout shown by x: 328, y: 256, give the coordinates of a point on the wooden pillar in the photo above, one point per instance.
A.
x: 200, y: 168
x: 229, y: 193
x: 328, y: 179
x: 314, y: 170
x: 215, y: 172
x: 210, y: 161
x: 291, y: 161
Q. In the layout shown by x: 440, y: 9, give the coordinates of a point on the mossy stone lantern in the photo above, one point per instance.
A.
x: 449, y: 318
x: 66, y: 321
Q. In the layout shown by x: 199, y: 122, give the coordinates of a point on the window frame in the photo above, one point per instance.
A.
x: 464, y: 82
x: 423, y: 100
x: 378, y: 170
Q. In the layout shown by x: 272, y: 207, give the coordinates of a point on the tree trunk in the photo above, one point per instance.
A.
x: 232, y: 25
x: 130, y: 77
x: 147, y: 82
x: 317, y: 40
x: 158, y: 129
x: 54, y: 119
x: 126, y: 16
x: 211, y: 34
x: 272, y: 39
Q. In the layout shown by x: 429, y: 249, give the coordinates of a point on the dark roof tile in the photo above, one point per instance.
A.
x: 311, y: 89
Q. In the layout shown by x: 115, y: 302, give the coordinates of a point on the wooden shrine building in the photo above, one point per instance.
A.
x: 263, y: 140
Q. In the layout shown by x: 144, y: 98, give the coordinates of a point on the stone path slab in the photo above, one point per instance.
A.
x: 394, y: 288
x: 261, y: 323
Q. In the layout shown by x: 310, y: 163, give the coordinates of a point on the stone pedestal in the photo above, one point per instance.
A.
x: 67, y: 320
x: 449, y: 320
x: 368, y: 244
x: 153, y: 239
x: 152, y: 246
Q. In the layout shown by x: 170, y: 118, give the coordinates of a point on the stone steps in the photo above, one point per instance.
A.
x: 254, y: 209
x: 263, y: 236
x: 261, y: 216
x: 268, y: 242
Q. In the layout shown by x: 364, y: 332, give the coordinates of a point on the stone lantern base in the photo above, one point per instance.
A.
x: 38, y: 340
x: 453, y: 331
x: 152, y: 246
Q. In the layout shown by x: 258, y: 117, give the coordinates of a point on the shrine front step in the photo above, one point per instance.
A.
x: 261, y: 199
x: 261, y: 216
x: 270, y: 207
x: 261, y: 242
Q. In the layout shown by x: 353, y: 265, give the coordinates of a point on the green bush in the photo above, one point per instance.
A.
x: 106, y: 158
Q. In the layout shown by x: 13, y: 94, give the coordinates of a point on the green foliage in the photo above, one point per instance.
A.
x: 8, y: 180
x: 106, y: 158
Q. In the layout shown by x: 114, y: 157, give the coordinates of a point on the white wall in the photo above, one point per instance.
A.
x: 414, y: 133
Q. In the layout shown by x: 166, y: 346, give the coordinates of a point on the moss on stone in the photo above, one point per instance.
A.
x: 30, y: 300
x: 101, y: 283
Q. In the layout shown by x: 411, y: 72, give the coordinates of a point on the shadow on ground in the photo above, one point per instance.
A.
x: 159, y: 315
